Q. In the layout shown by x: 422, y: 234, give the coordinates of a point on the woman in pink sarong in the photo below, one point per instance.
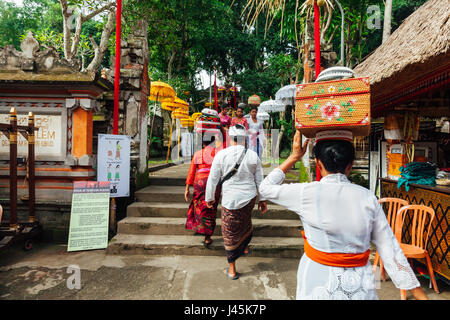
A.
x: 200, y: 218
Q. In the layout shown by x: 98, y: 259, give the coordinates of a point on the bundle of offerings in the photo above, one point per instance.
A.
x: 207, y: 122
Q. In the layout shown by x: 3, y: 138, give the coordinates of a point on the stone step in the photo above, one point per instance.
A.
x: 179, y: 210
x: 167, y: 181
x: 163, y: 181
x: 176, y: 226
x: 271, y: 247
x: 166, y: 193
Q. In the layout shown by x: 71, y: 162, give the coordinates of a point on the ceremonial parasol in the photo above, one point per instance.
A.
x: 168, y: 106
x: 261, y: 115
x: 181, y: 103
x: 187, y: 122
x: 159, y: 92
x: 286, y: 95
x: 271, y: 106
x: 195, y: 116
x: 181, y: 111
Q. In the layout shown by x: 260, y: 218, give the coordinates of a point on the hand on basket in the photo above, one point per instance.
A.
x: 298, y: 151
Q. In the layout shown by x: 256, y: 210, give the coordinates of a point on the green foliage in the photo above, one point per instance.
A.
x: 304, y: 177
x: 187, y: 36
x: 358, y: 179
x: 48, y: 38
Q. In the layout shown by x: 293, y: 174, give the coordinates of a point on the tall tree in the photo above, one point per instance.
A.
x: 88, y: 9
x: 387, y: 20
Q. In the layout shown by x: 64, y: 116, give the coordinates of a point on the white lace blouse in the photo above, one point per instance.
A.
x: 341, y: 217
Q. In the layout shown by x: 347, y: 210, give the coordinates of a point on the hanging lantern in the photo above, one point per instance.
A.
x: 254, y: 100
x: 233, y: 89
x: 222, y: 88
x: 208, y: 104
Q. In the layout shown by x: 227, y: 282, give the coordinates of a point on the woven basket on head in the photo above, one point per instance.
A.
x: 339, y: 104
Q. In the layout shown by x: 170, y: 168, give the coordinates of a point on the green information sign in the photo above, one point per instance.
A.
x: 89, y: 216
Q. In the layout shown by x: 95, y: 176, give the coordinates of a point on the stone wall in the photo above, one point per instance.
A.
x: 133, y: 97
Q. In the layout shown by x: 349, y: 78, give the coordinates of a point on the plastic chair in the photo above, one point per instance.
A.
x: 394, y: 205
x: 417, y: 248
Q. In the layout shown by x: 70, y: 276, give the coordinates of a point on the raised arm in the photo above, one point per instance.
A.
x: 259, y: 176
x: 272, y: 188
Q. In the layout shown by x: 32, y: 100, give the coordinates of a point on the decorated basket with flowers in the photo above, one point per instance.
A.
x: 338, y: 104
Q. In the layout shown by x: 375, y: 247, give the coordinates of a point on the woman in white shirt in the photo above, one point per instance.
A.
x: 340, y: 219
x: 256, y: 136
x: 238, y: 194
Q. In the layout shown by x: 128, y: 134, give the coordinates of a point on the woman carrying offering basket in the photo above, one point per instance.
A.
x: 340, y: 220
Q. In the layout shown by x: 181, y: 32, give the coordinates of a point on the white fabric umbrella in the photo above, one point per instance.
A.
x: 286, y: 94
x: 261, y: 115
x: 271, y: 106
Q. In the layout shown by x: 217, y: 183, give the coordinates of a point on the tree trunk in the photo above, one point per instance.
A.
x: 66, y: 14
x: 170, y: 64
x: 100, y: 50
x: 387, y: 20
x: 76, y: 37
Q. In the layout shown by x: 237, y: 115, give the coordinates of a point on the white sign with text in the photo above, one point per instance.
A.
x: 113, y: 163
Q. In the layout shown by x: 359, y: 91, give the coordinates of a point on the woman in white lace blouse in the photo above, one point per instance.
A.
x: 340, y: 219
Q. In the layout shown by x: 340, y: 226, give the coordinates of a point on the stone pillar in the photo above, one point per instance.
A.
x: 133, y: 99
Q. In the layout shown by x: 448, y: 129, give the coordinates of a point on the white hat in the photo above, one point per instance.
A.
x: 237, y: 131
x: 334, y: 135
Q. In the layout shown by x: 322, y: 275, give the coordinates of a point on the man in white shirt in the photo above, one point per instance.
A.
x: 238, y: 194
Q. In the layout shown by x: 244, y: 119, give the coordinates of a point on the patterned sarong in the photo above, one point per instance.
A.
x: 237, y: 230
x: 200, y: 218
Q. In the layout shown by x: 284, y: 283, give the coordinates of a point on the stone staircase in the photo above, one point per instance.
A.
x: 155, y: 225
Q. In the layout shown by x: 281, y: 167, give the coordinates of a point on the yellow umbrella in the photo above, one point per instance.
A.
x: 187, y: 122
x: 178, y: 113
x: 176, y: 103
x: 161, y: 92
x: 181, y: 103
x: 195, y: 116
x: 168, y: 106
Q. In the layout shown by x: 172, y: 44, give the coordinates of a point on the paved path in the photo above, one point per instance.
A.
x: 42, y: 274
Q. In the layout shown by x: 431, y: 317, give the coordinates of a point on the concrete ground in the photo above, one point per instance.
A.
x: 42, y: 274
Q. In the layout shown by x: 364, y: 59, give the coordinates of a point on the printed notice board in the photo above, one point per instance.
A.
x: 113, y: 163
x: 89, y: 216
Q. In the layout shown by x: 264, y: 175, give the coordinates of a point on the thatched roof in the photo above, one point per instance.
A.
x: 418, y: 47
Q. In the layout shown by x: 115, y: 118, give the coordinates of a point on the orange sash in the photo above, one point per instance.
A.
x: 343, y: 260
